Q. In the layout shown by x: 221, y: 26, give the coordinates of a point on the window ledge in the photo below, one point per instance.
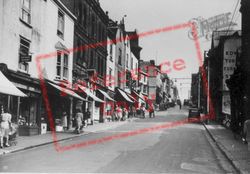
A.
x: 25, y: 23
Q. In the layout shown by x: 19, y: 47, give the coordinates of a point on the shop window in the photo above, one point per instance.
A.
x: 28, y: 111
x: 24, y: 51
x: 60, y: 24
x: 62, y: 65
x: 26, y: 11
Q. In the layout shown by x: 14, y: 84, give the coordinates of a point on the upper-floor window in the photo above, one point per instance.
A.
x: 60, y: 24
x: 91, y: 61
x: 100, y: 32
x: 131, y: 63
x: 120, y: 56
x: 127, y: 60
x: 81, y: 52
x: 82, y: 14
x: 111, y: 52
x: 24, y: 52
x: 110, y: 77
x: 66, y: 66
x: 26, y: 11
x: 62, y: 65
x: 136, y: 68
x: 93, y: 26
x: 119, y: 79
x: 128, y: 78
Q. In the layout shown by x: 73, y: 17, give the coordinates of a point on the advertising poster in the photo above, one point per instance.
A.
x: 229, y: 64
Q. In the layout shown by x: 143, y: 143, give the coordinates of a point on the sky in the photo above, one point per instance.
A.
x: 146, y: 15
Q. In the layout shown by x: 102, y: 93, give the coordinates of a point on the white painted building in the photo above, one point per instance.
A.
x: 28, y: 29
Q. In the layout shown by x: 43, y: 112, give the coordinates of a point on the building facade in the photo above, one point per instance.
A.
x: 36, y: 28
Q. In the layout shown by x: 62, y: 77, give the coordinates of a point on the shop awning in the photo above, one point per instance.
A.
x: 106, y: 95
x: 67, y: 91
x: 132, y: 97
x: 125, y: 96
x: 90, y: 94
x: 141, y: 97
x: 7, y: 87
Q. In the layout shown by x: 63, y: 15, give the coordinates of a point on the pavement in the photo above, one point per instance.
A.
x: 233, y: 148
x: 29, y: 142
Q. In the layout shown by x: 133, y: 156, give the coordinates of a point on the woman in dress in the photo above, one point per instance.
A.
x: 79, y: 120
x: 5, y: 127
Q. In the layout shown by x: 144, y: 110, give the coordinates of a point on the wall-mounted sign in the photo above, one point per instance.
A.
x: 25, y: 58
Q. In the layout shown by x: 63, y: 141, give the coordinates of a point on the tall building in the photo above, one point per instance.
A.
x: 36, y: 28
x: 90, y: 55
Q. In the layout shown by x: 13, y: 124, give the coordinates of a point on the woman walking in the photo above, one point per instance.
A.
x: 79, y: 120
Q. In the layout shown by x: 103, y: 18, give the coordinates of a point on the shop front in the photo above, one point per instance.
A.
x: 107, y: 106
x: 24, y: 105
x: 60, y: 103
x: 123, y: 99
x: 94, y: 104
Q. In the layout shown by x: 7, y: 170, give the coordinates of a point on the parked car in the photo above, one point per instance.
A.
x: 194, y: 115
x: 186, y: 102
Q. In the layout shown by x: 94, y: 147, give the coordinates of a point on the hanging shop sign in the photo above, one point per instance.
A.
x: 25, y: 58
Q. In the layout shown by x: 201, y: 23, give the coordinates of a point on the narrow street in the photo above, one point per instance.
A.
x: 182, y: 149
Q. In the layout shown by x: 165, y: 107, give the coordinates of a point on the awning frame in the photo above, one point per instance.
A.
x: 90, y: 94
x: 67, y: 91
x: 106, y: 95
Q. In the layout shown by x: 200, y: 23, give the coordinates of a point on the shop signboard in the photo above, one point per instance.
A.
x: 231, y: 45
x: 25, y: 58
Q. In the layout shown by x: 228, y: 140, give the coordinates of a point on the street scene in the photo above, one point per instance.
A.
x: 174, y: 150
x: 124, y: 86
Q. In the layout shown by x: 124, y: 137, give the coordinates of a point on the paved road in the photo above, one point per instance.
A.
x: 181, y: 149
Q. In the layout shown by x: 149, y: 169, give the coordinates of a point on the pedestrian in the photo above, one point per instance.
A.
x: 119, y: 113
x: 133, y: 111
x: 179, y: 104
x: 88, y: 116
x: 151, y: 110
x: 124, y: 114
x: 79, y: 120
x: 64, y: 121
x: 5, y: 128
x: 143, y: 109
x: 85, y: 118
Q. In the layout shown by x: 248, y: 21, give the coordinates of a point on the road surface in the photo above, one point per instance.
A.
x: 180, y: 149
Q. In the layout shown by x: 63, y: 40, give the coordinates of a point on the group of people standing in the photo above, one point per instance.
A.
x: 5, y: 127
